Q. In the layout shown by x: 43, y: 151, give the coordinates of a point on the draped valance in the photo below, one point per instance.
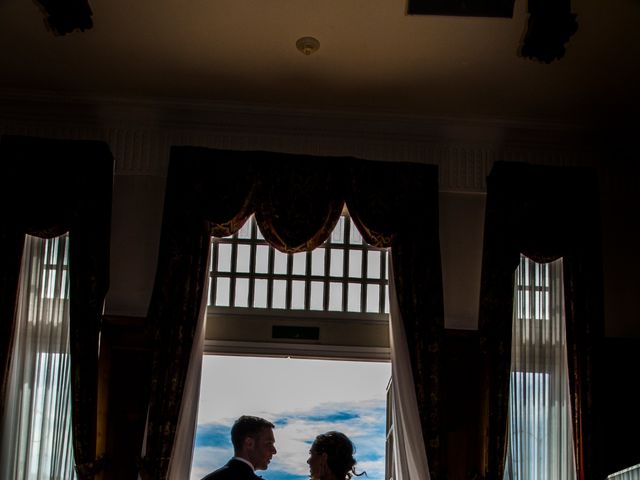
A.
x: 49, y: 187
x: 297, y: 200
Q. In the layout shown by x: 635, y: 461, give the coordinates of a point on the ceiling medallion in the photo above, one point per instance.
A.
x: 307, y: 45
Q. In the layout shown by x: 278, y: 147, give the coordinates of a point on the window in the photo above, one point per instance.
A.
x: 330, y: 302
x: 540, y: 436
x: 36, y: 436
x: 320, y: 321
x: 303, y: 398
x: 343, y: 275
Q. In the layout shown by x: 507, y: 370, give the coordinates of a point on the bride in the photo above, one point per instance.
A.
x: 331, y: 457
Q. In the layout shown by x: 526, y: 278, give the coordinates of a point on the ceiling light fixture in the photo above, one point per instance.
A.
x: 307, y: 45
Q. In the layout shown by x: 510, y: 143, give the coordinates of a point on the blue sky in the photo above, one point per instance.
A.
x: 302, y: 398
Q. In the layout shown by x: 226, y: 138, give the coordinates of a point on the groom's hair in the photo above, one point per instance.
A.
x: 247, y: 426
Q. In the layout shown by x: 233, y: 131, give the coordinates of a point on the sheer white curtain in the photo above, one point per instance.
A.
x: 540, y: 442
x: 408, y: 447
x: 182, y: 455
x: 631, y: 473
x: 36, y: 428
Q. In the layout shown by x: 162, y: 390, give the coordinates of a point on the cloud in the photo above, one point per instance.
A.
x: 213, y: 434
x: 273, y: 386
x: 208, y: 459
x: 308, y: 405
x: 362, y: 422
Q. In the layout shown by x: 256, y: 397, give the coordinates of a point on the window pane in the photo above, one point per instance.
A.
x: 280, y: 262
x: 373, y: 264
x: 260, y: 293
x: 245, y: 231
x: 279, y: 299
x: 262, y: 259
x: 337, y: 236
x: 386, y: 299
x: 317, y: 261
x: 337, y: 262
x: 335, y: 297
x: 317, y: 291
x: 224, y: 257
x: 242, y: 292
x: 354, y: 236
x: 222, y: 291
x: 373, y: 298
x: 259, y: 235
x: 299, y: 263
x: 353, y: 302
x: 243, y: 258
x: 355, y: 264
x: 297, y: 294
x: 48, y: 283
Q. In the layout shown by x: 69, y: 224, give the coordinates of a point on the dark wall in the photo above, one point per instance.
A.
x: 621, y: 401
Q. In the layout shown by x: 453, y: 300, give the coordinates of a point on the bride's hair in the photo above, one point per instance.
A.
x: 340, y: 451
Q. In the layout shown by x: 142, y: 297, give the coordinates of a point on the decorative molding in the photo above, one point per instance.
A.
x: 141, y: 132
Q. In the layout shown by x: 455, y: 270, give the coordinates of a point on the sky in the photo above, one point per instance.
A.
x: 303, y: 398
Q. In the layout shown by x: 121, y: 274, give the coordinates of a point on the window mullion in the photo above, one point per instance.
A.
x: 233, y: 274
x: 364, y: 279
x: 307, y: 280
x: 270, y: 277
x: 289, y: 292
x: 212, y: 273
x: 381, y: 285
x: 252, y: 263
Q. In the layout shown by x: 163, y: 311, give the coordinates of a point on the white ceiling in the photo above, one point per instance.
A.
x: 373, y: 58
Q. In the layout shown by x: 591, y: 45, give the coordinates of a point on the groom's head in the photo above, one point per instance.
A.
x: 253, y: 440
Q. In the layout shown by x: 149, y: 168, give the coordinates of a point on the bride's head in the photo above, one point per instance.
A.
x: 331, y: 457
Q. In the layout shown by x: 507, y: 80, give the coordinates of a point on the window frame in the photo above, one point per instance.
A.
x: 342, y: 335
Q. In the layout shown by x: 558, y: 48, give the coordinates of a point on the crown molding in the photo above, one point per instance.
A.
x: 173, y: 113
x: 140, y: 132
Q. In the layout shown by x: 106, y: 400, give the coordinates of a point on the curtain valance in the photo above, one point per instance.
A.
x: 49, y: 187
x: 545, y: 213
x: 522, y: 197
x: 297, y: 199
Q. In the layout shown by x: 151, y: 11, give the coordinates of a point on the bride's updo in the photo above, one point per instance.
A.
x: 340, y: 451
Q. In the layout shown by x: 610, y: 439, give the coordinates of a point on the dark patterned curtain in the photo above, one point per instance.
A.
x: 49, y: 187
x: 544, y: 213
x: 297, y: 200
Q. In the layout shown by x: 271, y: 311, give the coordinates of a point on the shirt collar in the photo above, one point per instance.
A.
x: 245, y: 461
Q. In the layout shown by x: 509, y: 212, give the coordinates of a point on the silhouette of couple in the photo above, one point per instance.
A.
x: 330, y: 456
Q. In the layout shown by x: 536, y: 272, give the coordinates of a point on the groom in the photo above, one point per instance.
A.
x: 253, y: 447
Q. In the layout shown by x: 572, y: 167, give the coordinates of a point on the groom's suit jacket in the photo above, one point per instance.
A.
x: 233, y: 470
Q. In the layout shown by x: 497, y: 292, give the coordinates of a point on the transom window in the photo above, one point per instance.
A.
x: 345, y: 274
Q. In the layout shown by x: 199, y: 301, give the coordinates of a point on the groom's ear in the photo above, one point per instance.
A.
x: 249, y: 442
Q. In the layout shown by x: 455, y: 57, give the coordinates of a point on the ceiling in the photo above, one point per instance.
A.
x: 373, y: 57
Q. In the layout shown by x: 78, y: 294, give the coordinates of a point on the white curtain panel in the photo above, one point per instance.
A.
x: 631, y: 473
x: 182, y: 455
x: 540, y: 441
x: 36, y: 428
x: 409, y: 450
